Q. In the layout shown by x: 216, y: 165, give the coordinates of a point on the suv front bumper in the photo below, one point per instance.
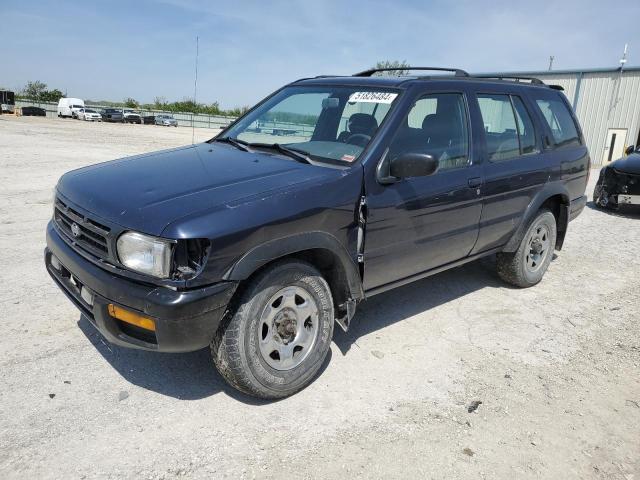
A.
x: 184, y: 320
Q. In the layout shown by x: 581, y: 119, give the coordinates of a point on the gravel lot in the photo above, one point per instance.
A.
x: 556, y: 367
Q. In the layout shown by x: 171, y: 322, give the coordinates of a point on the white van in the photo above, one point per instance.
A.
x: 67, y: 107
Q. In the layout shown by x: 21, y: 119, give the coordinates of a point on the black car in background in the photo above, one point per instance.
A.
x: 33, y: 112
x: 112, y: 115
x: 330, y: 191
x: 619, y: 181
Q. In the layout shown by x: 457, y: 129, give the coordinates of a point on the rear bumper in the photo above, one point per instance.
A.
x: 185, y: 320
x: 577, y: 206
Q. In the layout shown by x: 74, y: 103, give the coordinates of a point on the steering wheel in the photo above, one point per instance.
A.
x: 359, y: 139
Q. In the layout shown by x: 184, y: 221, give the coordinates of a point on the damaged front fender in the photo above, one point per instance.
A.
x: 613, y: 183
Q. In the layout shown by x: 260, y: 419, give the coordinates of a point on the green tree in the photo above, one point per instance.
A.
x: 34, y: 90
x: 51, y: 95
x: 403, y: 65
x: 131, y: 103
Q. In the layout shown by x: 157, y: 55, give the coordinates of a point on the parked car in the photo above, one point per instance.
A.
x: 112, y: 115
x: 89, y: 115
x: 68, y: 107
x: 255, y: 243
x: 33, y: 112
x: 166, y: 120
x: 131, y: 116
x: 619, y: 181
x: 149, y: 119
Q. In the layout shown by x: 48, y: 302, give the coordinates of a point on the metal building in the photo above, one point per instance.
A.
x: 607, y: 103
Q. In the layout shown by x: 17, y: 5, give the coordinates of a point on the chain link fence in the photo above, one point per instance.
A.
x: 185, y: 119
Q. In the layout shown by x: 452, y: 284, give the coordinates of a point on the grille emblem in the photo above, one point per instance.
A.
x: 75, y: 229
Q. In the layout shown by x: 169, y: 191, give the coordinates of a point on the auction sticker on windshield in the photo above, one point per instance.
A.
x: 372, y: 97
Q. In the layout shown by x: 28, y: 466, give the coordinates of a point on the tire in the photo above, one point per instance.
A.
x: 527, y: 265
x: 597, y: 192
x: 601, y: 199
x: 246, y: 348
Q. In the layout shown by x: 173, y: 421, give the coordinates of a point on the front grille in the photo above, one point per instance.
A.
x: 83, y: 231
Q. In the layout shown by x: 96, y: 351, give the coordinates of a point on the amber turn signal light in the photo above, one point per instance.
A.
x: 131, y: 317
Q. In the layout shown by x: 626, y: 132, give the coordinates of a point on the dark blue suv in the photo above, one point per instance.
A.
x: 329, y: 191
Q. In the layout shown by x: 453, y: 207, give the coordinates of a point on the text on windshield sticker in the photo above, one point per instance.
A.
x: 372, y: 97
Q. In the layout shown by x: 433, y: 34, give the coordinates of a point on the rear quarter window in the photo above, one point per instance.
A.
x: 558, y: 117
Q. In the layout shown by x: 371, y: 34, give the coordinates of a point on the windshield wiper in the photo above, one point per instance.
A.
x: 239, y: 144
x: 299, y: 155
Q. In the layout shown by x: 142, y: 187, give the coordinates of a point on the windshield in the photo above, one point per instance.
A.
x: 325, y: 123
x: 88, y: 110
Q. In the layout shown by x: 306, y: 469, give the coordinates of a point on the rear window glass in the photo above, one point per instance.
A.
x: 557, y: 115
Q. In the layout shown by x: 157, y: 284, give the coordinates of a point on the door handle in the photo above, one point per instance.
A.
x: 475, y: 182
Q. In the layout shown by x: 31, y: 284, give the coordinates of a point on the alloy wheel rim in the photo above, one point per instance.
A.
x: 538, y: 247
x: 288, y: 328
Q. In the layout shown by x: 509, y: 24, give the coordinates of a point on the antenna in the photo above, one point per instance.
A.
x: 623, y: 60
x: 551, y: 59
x: 195, y: 98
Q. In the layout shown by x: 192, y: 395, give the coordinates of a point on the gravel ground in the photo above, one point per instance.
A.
x: 556, y: 367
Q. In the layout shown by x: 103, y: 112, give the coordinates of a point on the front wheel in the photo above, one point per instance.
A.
x: 527, y: 265
x: 272, y: 343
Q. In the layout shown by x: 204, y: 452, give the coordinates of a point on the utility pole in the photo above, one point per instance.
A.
x: 623, y: 60
x: 551, y: 58
x: 195, y: 98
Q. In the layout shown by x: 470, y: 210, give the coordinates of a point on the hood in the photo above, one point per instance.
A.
x: 629, y: 164
x: 147, y: 192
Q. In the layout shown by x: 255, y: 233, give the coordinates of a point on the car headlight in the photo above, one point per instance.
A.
x: 145, y: 254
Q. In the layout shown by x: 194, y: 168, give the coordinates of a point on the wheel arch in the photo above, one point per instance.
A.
x: 320, y: 249
x: 553, y: 197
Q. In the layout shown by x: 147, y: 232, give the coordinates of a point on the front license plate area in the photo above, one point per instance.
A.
x: 628, y: 199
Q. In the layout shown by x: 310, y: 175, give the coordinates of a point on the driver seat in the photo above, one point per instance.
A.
x: 359, y: 123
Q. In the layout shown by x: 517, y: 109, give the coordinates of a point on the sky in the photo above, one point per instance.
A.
x: 110, y: 50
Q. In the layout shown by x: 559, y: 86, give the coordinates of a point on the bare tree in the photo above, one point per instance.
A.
x: 34, y: 90
x: 403, y: 65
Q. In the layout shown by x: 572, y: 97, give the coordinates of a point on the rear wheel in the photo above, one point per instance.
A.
x: 272, y: 343
x: 527, y: 265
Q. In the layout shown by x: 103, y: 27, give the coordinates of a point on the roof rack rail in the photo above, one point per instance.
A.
x: 557, y: 87
x: 517, y: 78
x: 371, y: 71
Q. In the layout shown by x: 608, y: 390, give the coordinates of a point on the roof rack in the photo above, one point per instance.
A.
x: 533, y: 80
x: 371, y: 71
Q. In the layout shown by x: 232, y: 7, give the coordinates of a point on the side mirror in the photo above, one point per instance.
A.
x: 413, y: 165
x: 629, y: 150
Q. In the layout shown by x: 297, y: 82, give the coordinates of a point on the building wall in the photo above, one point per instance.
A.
x: 605, y: 99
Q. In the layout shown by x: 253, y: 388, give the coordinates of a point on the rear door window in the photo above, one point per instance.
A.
x: 509, y: 130
x: 559, y: 119
x: 526, y: 130
x: 501, y: 131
